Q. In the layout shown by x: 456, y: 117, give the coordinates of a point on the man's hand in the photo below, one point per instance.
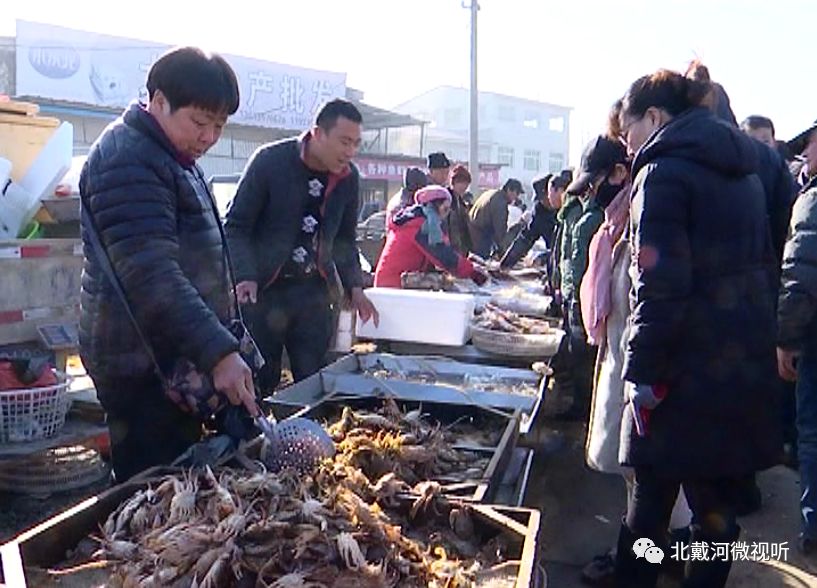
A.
x: 233, y: 378
x: 247, y: 292
x: 364, y: 307
x: 787, y: 364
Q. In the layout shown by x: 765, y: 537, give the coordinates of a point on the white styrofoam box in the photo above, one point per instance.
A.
x: 344, y: 338
x: 15, y: 203
x: 416, y: 316
x: 5, y: 172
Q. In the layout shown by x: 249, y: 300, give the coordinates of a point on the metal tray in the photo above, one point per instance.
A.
x: 348, y: 377
x: 483, y: 489
x: 24, y: 560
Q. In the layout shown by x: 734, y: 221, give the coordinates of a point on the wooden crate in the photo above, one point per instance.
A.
x: 27, y: 556
x: 22, y: 138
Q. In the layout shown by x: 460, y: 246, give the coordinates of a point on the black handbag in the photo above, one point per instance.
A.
x: 191, y: 390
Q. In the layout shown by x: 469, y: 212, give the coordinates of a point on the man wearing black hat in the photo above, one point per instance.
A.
x: 489, y: 217
x: 796, y: 331
x: 438, y: 168
x: 602, y: 172
x: 413, y: 180
x: 548, y: 190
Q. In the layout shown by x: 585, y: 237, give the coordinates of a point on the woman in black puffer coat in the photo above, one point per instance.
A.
x: 700, y: 359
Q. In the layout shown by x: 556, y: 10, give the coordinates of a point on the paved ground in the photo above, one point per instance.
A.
x: 582, y: 511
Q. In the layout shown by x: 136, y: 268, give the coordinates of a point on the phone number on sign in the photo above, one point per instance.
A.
x: 738, y: 551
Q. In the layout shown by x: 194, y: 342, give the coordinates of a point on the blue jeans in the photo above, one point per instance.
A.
x: 807, y: 439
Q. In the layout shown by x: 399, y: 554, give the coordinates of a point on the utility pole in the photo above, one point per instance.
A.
x: 473, y: 134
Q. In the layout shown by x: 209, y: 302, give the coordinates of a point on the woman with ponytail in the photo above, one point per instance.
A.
x: 699, y: 366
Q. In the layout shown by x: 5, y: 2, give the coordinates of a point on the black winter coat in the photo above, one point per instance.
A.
x: 155, y: 218
x: 703, y: 316
x: 797, y: 310
x: 265, y: 218
x: 781, y: 190
x: 542, y: 225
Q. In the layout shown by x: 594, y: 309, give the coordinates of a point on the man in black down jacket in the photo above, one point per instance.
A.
x: 548, y: 191
x: 292, y: 229
x: 797, y: 332
x: 154, y: 216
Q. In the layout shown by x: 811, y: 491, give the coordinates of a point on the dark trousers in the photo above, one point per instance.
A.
x: 648, y: 515
x: 574, y: 364
x: 807, y: 439
x: 296, y: 316
x: 146, y: 428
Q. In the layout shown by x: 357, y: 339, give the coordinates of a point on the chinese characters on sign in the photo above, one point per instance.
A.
x: 89, y: 68
x: 383, y: 169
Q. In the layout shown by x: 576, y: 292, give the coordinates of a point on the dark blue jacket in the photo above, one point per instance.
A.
x: 265, y: 218
x: 155, y: 218
x: 703, y: 318
x: 781, y: 190
x: 542, y: 226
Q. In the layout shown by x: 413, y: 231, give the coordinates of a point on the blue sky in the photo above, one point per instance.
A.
x: 581, y: 53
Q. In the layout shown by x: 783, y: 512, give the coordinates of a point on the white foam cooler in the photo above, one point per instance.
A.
x: 416, y: 316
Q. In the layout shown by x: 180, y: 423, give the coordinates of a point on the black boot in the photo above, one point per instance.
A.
x: 633, y: 572
x: 709, y: 574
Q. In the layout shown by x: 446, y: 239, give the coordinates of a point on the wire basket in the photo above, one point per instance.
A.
x: 517, y: 344
x: 33, y: 413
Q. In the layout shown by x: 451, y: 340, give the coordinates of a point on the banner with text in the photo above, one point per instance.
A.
x: 102, y: 70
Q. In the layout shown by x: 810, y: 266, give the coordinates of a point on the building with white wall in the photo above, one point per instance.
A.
x: 526, y: 137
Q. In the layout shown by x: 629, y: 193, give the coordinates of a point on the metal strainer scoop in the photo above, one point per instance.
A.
x: 294, y: 443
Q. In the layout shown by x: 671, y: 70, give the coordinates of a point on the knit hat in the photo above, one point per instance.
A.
x: 414, y: 178
x: 432, y: 193
x: 460, y: 173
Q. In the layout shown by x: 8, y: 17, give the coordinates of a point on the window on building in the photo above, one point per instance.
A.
x: 504, y: 156
x: 556, y: 162
x: 506, y: 113
x: 557, y: 124
x: 532, y: 160
x: 531, y: 120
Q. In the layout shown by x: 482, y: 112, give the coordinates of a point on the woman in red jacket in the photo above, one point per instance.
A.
x: 416, y: 241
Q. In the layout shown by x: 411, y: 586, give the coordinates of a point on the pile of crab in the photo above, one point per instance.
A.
x: 409, y: 445
x: 366, y: 517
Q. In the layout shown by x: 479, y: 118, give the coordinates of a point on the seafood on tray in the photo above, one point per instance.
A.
x: 366, y: 517
x: 466, y: 382
x: 496, y: 319
x: 517, y: 299
x: 406, y: 444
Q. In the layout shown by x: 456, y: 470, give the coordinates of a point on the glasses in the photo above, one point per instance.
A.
x: 625, y: 128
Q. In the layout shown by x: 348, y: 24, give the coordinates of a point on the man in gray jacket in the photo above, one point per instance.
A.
x: 797, y: 330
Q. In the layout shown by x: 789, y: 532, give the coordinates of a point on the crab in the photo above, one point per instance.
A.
x: 388, y: 487
x: 350, y: 551
x: 183, y: 503
x: 427, y: 491
x: 312, y: 511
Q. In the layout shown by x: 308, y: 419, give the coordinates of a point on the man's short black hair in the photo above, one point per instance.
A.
x: 755, y: 122
x: 330, y: 112
x: 188, y: 76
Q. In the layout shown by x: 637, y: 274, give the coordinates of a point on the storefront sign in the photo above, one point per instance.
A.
x: 372, y: 168
x: 101, y: 70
